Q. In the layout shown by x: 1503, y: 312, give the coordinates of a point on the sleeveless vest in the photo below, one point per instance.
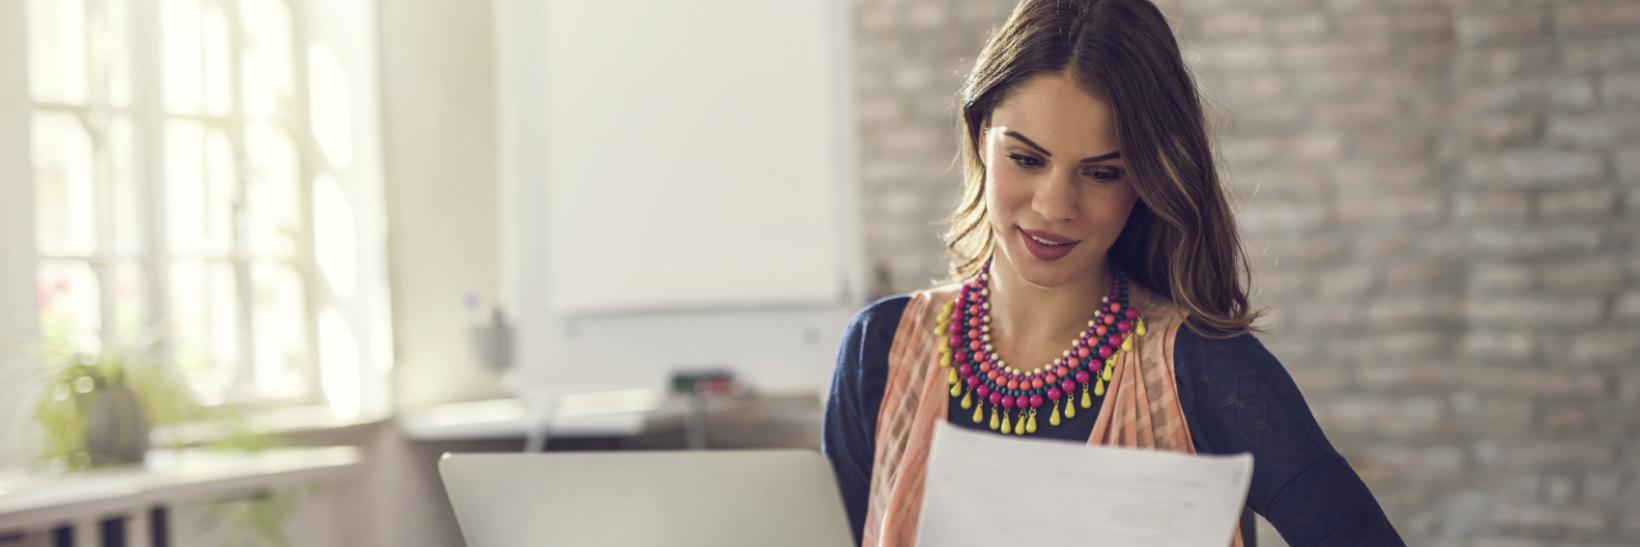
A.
x: 1140, y: 409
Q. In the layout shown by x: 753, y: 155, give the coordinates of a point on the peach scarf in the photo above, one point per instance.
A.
x: 1140, y: 409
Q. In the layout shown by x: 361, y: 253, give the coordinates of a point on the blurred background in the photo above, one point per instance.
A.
x: 340, y: 238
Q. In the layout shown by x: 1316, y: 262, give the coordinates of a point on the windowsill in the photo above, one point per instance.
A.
x: 288, y: 420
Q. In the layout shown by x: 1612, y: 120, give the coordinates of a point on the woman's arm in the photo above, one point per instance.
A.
x: 848, y: 437
x: 1238, y: 398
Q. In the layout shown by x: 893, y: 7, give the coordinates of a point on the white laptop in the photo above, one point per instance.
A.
x: 682, y: 498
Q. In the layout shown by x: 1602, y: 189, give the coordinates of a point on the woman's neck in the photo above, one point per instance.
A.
x: 1034, y: 320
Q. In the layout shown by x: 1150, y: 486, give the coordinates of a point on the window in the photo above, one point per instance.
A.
x: 170, y: 146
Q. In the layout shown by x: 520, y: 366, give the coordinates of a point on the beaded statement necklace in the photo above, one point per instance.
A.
x: 977, y: 371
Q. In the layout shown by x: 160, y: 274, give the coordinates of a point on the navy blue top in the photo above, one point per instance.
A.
x: 1236, y: 397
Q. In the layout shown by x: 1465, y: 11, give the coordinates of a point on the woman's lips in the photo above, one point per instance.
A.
x: 1043, y: 251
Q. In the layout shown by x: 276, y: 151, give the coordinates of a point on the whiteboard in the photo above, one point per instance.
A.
x: 678, y: 187
x: 692, y: 155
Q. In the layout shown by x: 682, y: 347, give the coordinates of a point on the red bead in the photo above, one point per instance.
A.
x: 1096, y: 366
x: 1082, y: 352
x: 1054, y: 393
x: 1036, y: 400
x: 996, y: 398
x: 985, y: 366
x: 1101, y: 330
x: 1007, y: 401
x: 982, y: 390
x: 956, y: 341
x: 966, y: 370
x: 973, y: 322
x: 1081, y: 377
x: 974, y: 345
x: 973, y: 310
x: 1068, y: 386
x: 1123, y: 326
x: 1013, y: 384
x: 991, y: 375
x: 972, y: 381
x: 1060, y: 371
x: 1116, y: 340
x: 1104, y: 352
x: 1132, y: 313
x: 1052, y: 378
x: 1115, y: 307
x: 1036, y: 383
x: 1110, y: 319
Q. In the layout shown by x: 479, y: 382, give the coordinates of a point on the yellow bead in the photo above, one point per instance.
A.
x: 1030, y: 424
x: 994, y: 418
x: 1007, y: 423
x: 956, y: 389
x: 1070, y: 409
x: 1141, y: 328
x: 1019, y: 427
x: 979, y: 413
x: 967, y: 401
x: 1099, y: 387
x: 952, y: 378
x: 1054, y: 419
x: 945, y: 360
x: 1105, y: 374
x: 1086, y: 400
x: 1127, y: 344
x: 949, y: 305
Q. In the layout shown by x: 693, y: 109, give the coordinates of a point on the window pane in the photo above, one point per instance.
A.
x: 63, y: 192
x: 266, y: 65
x: 127, y: 198
x: 181, y: 56
x: 205, y: 326
x: 280, y: 325
x: 130, y: 311
x: 273, y: 192
x: 218, y: 86
x: 69, y: 301
x: 114, y: 48
x: 185, y: 187
x: 221, y: 194
x: 56, y: 50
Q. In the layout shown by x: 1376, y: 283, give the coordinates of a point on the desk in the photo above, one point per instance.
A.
x: 81, y: 501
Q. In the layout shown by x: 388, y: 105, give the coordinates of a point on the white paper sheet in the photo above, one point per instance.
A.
x: 985, y: 489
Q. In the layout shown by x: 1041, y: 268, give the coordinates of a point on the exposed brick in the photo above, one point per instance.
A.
x: 1530, y: 309
x: 1597, y: 18
x: 1503, y: 27
x: 1533, y: 167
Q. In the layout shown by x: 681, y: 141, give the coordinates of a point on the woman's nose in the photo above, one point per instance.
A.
x: 1055, y: 198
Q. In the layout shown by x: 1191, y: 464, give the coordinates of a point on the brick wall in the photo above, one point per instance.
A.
x: 1450, y: 187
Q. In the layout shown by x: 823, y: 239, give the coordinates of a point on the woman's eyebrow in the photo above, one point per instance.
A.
x: 1045, y: 152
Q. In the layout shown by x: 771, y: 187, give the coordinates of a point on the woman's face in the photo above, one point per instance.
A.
x: 1053, y: 171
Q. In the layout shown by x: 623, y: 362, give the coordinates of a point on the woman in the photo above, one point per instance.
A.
x: 1097, y: 292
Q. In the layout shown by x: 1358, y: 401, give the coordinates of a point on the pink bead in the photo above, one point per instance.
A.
x: 1104, y: 352
x: 956, y: 341
x: 996, y: 398
x: 984, y: 391
x: 1054, y: 393
x: 1123, y: 326
x: 1132, y: 313
x: 1116, y: 340
x: 966, y: 370
x: 1082, y: 352
x: 956, y: 328
x: 973, y: 321
x: 972, y: 381
x: 1036, y: 400
x: 973, y: 345
x: 1081, y: 377
x: 960, y: 357
x: 1068, y: 385
x: 1007, y: 401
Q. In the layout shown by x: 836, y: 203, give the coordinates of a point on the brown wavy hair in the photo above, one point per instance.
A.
x: 1181, y: 239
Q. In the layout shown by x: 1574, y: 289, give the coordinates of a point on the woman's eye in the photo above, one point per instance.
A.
x: 1025, y: 161
x: 1105, y: 175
